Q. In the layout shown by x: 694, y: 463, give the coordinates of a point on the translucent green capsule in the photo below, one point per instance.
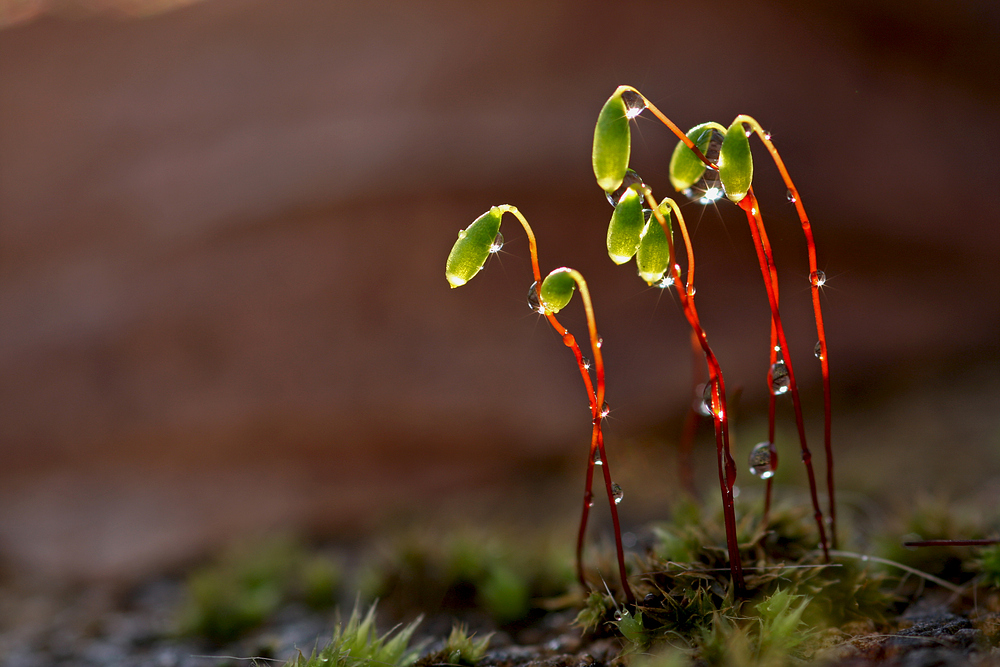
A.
x: 653, y: 256
x: 625, y: 230
x: 557, y: 289
x: 686, y: 168
x: 612, y: 142
x: 472, y: 248
x: 736, y: 162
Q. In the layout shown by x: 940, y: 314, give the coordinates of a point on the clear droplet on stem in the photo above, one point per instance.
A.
x: 818, y: 350
x: 704, y: 401
x: 618, y: 615
x: 497, y: 244
x: 791, y: 196
x: 780, y: 380
x: 533, y: 301
x: 691, y: 290
x: 597, y: 458
x: 605, y: 410
x: 817, y: 278
x: 760, y: 461
x: 586, y: 363
x: 617, y: 493
x: 600, y: 342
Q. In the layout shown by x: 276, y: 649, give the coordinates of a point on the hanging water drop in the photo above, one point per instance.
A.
x: 818, y: 350
x: 586, y: 363
x: 631, y: 178
x: 704, y: 401
x: 748, y: 131
x: 634, y: 103
x: 691, y: 290
x: 780, y: 380
x: 598, y: 461
x: 817, y: 278
x: 617, y: 493
x: 618, y: 615
x: 666, y: 282
x: 605, y: 410
x: 791, y: 196
x: 600, y: 342
x: 767, y: 136
x: 497, y: 244
x: 760, y: 461
x: 533, y: 301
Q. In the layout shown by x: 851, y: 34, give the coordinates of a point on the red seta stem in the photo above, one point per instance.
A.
x: 720, y: 412
x: 817, y: 315
x: 596, y: 399
x: 750, y: 205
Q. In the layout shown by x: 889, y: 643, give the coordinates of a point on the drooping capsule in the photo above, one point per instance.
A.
x: 472, y: 248
x: 557, y: 289
x: 653, y: 255
x: 736, y: 162
x: 686, y: 168
x: 761, y: 462
x: 625, y: 229
x: 612, y: 142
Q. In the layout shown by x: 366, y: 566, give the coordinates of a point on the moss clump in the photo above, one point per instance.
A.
x: 358, y: 644
x: 246, y: 585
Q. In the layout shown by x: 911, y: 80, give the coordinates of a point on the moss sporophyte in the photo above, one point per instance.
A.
x: 710, y: 162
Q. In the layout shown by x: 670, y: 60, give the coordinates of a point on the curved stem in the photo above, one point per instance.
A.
x: 750, y: 205
x: 727, y: 467
x: 594, y: 396
x: 817, y: 313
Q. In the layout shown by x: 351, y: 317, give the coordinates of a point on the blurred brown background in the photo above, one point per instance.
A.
x: 224, y: 226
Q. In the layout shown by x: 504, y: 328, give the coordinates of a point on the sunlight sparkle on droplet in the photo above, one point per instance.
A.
x: 711, y: 194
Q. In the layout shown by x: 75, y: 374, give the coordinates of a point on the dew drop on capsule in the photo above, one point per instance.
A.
x: 780, y: 381
x: 533, y: 301
x: 597, y: 458
x: 818, y: 350
x: 634, y: 103
x: 817, y: 278
x: 617, y: 493
x: 497, y: 244
x: 760, y: 461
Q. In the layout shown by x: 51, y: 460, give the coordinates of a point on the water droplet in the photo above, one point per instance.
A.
x: 777, y: 348
x: 691, y: 290
x: 760, y: 461
x: 631, y: 178
x: 748, y: 131
x: 605, y: 410
x: 712, y: 194
x: 617, y: 493
x: 666, y: 282
x: 634, y: 103
x: 817, y: 278
x: 818, y: 350
x: 704, y: 402
x: 461, y: 233
x: 533, y: 302
x: 780, y: 381
x: 497, y: 244
x: 791, y: 196
x: 767, y: 135
x: 597, y: 458
x: 590, y: 503
x: 586, y: 363
x: 688, y: 192
x: 618, y: 615
x: 600, y: 342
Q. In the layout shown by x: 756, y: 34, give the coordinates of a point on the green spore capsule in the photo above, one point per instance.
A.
x: 736, y: 162
x: 612, y: 142
x: 472, y: 248
x: 557, y: 289
x: 625, y: 230
x: 653, y: 256
x: 686, y: 168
